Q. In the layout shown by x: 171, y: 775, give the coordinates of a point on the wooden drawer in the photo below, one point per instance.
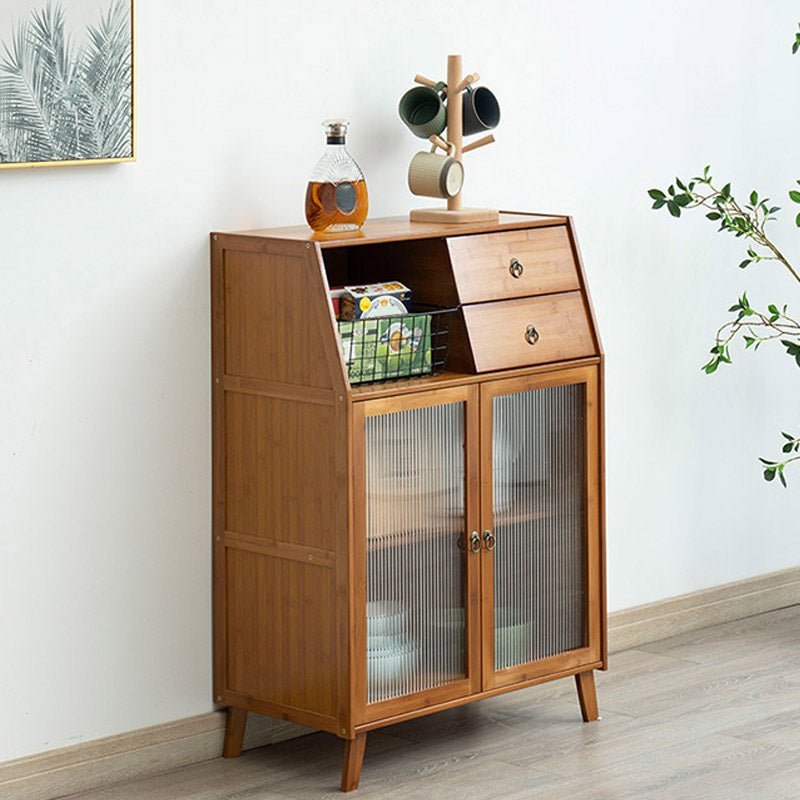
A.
x: 536, y: 330
x: 542, y: 260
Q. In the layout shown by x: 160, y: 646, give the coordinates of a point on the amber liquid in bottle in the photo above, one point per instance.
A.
x: 339, y: 206
x: 336, y: 195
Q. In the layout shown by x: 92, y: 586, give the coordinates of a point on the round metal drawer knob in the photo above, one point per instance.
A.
x: 515, y: 268
x: 531, y: 335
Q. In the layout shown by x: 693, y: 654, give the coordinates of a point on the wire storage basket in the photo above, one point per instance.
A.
x: 401, y: 346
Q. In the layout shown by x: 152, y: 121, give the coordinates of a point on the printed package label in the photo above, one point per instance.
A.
x: 386, y: 347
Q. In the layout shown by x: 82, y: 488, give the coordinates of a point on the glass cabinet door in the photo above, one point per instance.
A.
x: 418, y: 453
x: 540, y: 529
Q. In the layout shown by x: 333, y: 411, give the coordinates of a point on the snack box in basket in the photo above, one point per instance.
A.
x: 336, y: 293
x: 375, y: 300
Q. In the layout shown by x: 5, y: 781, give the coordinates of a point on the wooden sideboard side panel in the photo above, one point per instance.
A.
x: 601, y: 456
x: 281, y: 467
x: 280, y: 460
x: 271, y: 319
x: 281, y: 644
x: 218, y: 462
x: 587, y: 297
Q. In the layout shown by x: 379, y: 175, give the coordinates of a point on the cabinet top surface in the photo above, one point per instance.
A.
x: 387, y: 229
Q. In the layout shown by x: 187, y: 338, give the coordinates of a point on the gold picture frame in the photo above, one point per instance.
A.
x: 38, y: 11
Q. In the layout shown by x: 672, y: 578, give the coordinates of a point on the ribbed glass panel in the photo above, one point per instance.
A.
x: 415, y: 520
x: 539, y: 474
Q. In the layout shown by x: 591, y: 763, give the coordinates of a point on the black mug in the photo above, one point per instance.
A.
x: 481, y: 110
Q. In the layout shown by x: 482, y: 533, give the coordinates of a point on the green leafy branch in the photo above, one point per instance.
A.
x: 756, y: 328
x: 746, y: 220
x: 743, y: 220
x: 773, y: 468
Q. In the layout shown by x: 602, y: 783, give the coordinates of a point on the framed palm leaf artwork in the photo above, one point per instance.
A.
x: 66, y: 82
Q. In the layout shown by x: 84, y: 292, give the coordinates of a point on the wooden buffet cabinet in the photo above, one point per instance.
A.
x: 387, y: 550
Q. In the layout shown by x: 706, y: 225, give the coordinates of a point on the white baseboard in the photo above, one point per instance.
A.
x: 632, y: 627
x: 138, y: 754
x: 161, y: 748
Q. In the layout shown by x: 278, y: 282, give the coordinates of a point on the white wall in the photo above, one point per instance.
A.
x: 104, y: 417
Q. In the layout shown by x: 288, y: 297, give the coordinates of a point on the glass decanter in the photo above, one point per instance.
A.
x: 336, y: 197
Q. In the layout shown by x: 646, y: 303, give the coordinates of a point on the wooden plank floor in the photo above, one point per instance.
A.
x: 710, y: 714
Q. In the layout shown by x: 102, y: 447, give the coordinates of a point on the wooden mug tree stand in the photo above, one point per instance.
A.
x: 454, y: 214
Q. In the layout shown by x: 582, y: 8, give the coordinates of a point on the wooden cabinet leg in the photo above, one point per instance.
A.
x: 587, y: 696
x: 234, y: 732
x: 353, y: 759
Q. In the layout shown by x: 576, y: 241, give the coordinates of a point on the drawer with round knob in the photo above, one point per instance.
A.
x: 533, y: 330
x: 496, y: 266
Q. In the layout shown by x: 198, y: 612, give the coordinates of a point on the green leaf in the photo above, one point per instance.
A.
x: 726, y: 190
x: 797, y: 220
x: 680, y: 184
x: 787, y: 436
x: 683, y: 199
x: 774, y: 210
x: 674, y: 208
x: 769, y: 473
x: 745, y: 263
x: 787, y: 448
x: 748, y: 340
x: 780, y: 475
x: 656, y: 194
x: 671, y: 190
x: 658, y: 203
x: 773, y: 309
x: 715, y: 215
x: 791, y: 348
x: 794, y: 195
x: 753, y: 197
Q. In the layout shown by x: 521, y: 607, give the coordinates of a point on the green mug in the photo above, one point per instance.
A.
x: 423, y: 111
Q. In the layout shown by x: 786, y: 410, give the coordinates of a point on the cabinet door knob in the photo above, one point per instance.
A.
x: 488, y: 540
x: 515, y: 268
x: 531, y: 335
x: 474, y: 542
